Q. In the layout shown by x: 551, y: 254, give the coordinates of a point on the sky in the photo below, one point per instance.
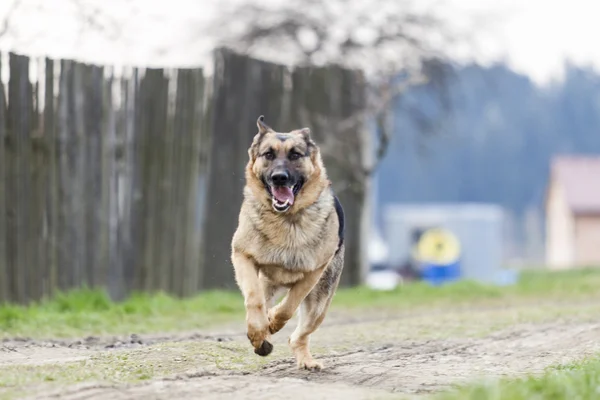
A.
x: 535, y: 37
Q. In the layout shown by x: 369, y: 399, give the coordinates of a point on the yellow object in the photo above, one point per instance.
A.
x: 438, y: 246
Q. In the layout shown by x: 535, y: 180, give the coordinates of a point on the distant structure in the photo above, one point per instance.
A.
x: 477, y: 226
x: 573, y: 212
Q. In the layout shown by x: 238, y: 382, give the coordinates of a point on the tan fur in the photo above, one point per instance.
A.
x: 297, y: 251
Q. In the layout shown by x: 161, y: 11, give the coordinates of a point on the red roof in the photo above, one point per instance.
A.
x: 580, y: 178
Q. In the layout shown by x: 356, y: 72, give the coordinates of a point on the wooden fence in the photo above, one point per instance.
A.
x: 131, y: 180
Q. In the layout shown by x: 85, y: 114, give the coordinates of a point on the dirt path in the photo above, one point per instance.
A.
x: 374, y: 358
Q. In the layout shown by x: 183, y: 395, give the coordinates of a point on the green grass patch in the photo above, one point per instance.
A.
x: 84, y: 312
x: 532, y: 285
x: 578, y: 381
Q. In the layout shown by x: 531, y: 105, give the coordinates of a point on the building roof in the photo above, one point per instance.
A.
x: 579, y: 177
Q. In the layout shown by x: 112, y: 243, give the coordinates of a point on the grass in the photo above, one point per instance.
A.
x: 532, y: 285
x: 85, y: 312
x: 578, y: 381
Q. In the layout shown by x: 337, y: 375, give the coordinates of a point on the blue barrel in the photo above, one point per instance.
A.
x: 437, y: 274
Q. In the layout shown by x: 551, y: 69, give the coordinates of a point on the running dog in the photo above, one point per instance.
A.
x: 289, y: 238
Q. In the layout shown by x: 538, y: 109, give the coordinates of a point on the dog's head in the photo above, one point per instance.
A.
x: 285, y: 169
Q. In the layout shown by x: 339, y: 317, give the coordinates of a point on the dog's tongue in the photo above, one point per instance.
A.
x: 283, y: 193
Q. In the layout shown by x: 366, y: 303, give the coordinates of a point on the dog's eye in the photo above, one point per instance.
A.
x: 269, y: 155
x: 294, y: 156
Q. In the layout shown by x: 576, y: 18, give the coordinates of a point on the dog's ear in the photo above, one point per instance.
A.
x: 305, y: 133
x: 262, y: 130
x: 262, y: 127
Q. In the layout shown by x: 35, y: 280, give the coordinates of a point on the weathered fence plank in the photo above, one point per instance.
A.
x: 78, y: 166
x: 52, y: 201
x: 193, y: 205
x: 167, y: 184
x: 92, y: 174
x: 39, y: 181
x: 140, y: 187
x: 179, y: 176
x: 130, y: 237
x: 124, y: 163
x: 19, y: 129
x: 66, y: 262
x: 153, y: 115
x: 111, y: 148
x: 5, y: 294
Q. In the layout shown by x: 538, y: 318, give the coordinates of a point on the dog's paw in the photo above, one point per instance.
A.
x: 265, y: 349
x: 310, y: 364
x: 258, y: 334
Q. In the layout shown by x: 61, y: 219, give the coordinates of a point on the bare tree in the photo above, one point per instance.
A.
x: 396, y: 43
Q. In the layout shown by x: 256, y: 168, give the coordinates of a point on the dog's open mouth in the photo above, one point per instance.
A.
x: 283, y: 197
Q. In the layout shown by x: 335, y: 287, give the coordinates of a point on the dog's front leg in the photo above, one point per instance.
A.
x: 246, y: 275
x: 283, y: 312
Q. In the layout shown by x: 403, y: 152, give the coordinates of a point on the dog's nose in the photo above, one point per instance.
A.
x: 280, y: 178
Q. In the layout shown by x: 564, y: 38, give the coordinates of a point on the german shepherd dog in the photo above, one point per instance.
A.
x: 290, y: 237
